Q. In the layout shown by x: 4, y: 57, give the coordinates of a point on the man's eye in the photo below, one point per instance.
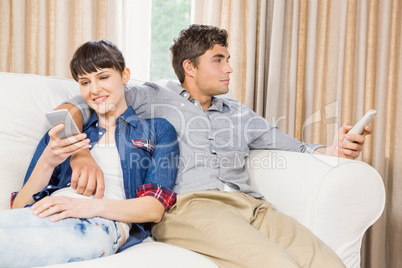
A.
x: 84, y: 83
x: 218, y: 60
x: 104, y: 77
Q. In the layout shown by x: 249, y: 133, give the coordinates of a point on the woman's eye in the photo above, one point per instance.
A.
x: 84, y: 83
x: 104, y: 77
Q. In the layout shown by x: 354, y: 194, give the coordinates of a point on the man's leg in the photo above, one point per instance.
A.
x: 217, y: 225
x: 306, y: 249
x: 27, y: 240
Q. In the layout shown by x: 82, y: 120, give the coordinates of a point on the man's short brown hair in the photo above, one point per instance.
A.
x: 194, y: 42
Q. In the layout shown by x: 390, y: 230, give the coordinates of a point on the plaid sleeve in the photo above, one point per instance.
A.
x: 13, y: 195
x: 164, y: 195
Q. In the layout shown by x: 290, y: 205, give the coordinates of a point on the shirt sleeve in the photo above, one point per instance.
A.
x: 165, y: 158
x: 81, y: 104
x: 263, y: 135
x: 164, y: 195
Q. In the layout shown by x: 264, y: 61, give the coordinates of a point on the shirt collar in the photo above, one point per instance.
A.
x: 217, y: 103
x: 220, y: 104
x: 129, y: 116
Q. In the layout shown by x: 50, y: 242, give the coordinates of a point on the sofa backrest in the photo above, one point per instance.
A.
x: 24, y: 101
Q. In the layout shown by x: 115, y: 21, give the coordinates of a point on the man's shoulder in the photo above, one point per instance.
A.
x: 148, y: 89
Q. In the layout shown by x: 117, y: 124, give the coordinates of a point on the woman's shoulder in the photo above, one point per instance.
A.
x: 158, y: 122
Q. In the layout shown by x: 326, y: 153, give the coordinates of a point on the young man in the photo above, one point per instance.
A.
x: 217, y: 214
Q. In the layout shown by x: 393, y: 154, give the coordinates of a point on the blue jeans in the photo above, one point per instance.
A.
x: 27, y: 240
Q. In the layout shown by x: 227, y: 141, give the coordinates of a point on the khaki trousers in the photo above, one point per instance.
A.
x: 237, y: 230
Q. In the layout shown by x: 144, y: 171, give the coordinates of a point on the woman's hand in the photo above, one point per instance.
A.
x: 57, y: 151
x: 65, y: 207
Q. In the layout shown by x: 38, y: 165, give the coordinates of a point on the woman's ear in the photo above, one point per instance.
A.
x: 126, y: 75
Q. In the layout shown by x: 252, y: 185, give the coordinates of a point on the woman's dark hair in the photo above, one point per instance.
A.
x: 194, y: 42
x: 95, y: 55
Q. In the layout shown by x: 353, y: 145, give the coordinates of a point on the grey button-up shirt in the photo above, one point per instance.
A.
x: 214, y: 144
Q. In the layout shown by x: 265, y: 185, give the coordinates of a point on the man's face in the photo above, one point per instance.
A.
x: 212, y: 73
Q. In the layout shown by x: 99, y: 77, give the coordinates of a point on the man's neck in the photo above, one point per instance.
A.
x: 205, y: 101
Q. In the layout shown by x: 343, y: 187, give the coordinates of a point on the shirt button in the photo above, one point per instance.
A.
x: 213, y: 151
x: 181, y: 104
x: 100, y: 132
x: 210, y: 137
x: 185, y: 94
x: 196, y: 104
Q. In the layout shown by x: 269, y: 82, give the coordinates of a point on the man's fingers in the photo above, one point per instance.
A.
x: 82, y: 182
x: 345, y: 128
x: 367, y: 130
x: 90, y: 185
x: 100, y: 185
x: 74, y: 178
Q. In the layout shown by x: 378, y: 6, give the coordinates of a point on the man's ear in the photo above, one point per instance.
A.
x: 188, y: 68
x: 126, y: 75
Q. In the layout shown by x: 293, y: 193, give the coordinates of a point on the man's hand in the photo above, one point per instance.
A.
x: 341, y: 148
x: 87, y: 177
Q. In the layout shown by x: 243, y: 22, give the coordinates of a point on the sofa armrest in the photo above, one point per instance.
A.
x: 337, y: 199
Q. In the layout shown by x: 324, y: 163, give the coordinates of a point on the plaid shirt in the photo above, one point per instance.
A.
x: 165, y: 196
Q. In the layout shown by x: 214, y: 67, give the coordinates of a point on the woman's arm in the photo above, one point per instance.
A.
x: 138, y: 210
x: 50, y: 155
x: 153, y: 198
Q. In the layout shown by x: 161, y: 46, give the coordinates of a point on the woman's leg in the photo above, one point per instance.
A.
x: 27, y: 240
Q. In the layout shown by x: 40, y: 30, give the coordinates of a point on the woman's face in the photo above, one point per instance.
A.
x: 103, y: 90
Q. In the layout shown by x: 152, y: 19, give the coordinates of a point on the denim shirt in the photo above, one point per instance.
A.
x: 148, y: 151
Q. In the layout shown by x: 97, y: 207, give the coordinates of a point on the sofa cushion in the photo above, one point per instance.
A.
x: 22, y: 128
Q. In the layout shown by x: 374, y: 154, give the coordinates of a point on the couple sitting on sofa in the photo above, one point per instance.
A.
x: 137, y: 159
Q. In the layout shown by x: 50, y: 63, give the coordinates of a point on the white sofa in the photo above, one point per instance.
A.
x: 337, y: 199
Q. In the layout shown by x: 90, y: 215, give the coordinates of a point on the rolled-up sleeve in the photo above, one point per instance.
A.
x: 162, y: 172
x: 165, y: 196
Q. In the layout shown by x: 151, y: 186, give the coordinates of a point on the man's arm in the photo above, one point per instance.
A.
x: 87, y: 177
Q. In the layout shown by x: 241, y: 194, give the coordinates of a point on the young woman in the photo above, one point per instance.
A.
x: 50, y: 222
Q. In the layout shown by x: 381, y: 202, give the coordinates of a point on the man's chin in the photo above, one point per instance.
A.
x: 222, y: 92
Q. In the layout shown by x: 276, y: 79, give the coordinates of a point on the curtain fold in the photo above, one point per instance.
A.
x: 310, y: 66
x: 40, y: 36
